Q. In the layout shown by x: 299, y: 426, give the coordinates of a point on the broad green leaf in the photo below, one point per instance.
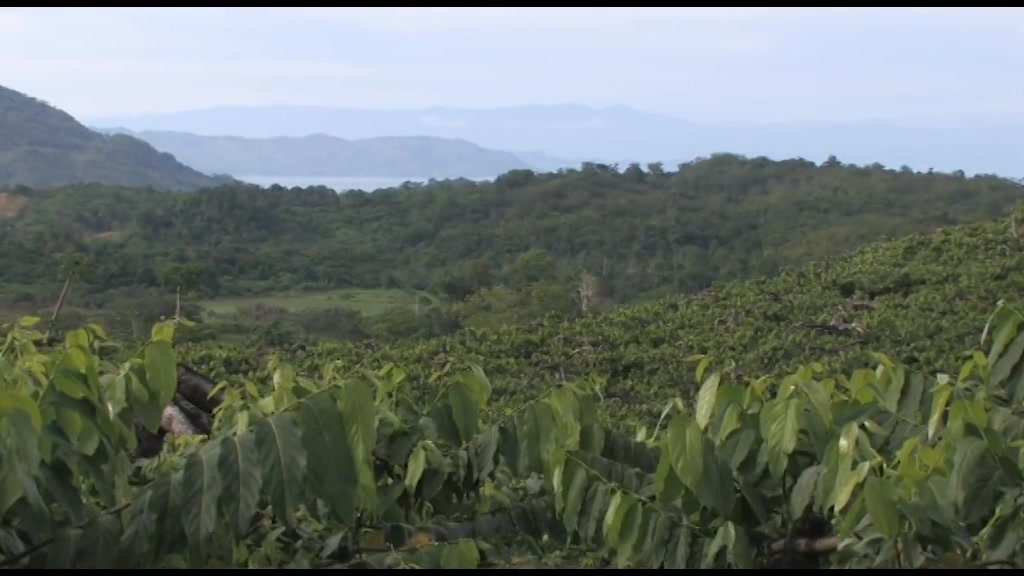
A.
x: 14, y: 400
x: 99, y: 544
x: 972, y: 479
x: 847, y: 442
x: 77, y: 338
x: 910, y: 401
x: 738, y: 447
x: 678, y: 555
x: 279, y: 445
x: 238, y: 466
x: 622, y: 504
x: 803, y: 490
x: 331, y: 465
x: 819, y: 398
x: 145, y: 406
x: 880, y: 499
x: 414, y: 469
x: 853, y: 517
x: 939, y: 400
x: 19, y: 461
x: 478, y: 383
x: 611, y: 513
x: 1007, y: 361
x: 598, y: 498
x: 724, y: 538
x: 161, y: 373
x: 1002, y: 537
x: 360, y: 414
x: 847, y: 482
x: 166, y: 501
x: 893, y: 389
x: 72, y: 382
x: 202, y: 490
x: 629, y: 534
x: 966, y: 370
x: 706, y: 399
x: 1007, y: 322
x: 460, y: 555
x: 702, y: 366
x: 163, y: 332
x: 63, y: 553
x: 98, y: 331
x: 485, y: 449
x: 566, y: 410
x: 741, y: 555
x: 780, y: 426
x: 12, y: 488
x: 909, y: 464
x: 465, y: 410
x: 667, y: 485
x: 655, y: 541
x: 59, y: 481
x: 730, y: 422
x: 694, y: 460
x: 575, y: 485
x: 537, y: 442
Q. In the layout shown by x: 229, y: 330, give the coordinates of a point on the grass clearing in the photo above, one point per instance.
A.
x: 367, y: 302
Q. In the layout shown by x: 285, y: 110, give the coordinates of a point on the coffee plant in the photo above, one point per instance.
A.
x: 354, y: 468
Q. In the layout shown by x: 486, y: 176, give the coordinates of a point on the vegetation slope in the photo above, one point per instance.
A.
x: 919, y: 299
x: 490, y: 253
x: 487, y: 447
x: 44, y: 147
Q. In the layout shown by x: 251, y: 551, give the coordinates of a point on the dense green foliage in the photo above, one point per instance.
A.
x: 43, y: 147
x: 919, y: 299
x: 835, y: 413
x: 493, y: 446
x: 638, y: 231
x: 504, y: 251
x: 882, y: 468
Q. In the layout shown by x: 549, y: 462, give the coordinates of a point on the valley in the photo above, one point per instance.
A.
x: 271, y: 305
x: 532, y: 362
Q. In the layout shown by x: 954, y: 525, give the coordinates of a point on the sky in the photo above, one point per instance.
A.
x: 913, y: 66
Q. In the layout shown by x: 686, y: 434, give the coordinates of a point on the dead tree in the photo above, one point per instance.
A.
x: 586, y: 291
x: 72, y: 266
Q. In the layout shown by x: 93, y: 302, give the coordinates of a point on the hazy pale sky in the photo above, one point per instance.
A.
x: 909, y: 65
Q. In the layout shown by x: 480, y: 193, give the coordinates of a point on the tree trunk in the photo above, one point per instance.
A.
x: 56, y: 309
x: 177, y: 303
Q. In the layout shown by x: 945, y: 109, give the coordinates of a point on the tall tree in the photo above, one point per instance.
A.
x: 71, y: 265
x: 183, y: 278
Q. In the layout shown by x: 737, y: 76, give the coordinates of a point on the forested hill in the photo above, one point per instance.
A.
x: 922, y: 300
x: 44, y: 147
x: 320, y: 155
x: 642, y: 232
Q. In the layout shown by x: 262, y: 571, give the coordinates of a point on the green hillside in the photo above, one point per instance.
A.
x: 44, y: 147
x: 492, y: 253
x: 920, y: 299
x: 327, y: 156
x: 559, y: 443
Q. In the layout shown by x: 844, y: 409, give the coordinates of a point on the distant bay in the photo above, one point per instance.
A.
x: 342, y: 183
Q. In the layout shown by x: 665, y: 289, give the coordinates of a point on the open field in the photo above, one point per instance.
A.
x: 367, y: 302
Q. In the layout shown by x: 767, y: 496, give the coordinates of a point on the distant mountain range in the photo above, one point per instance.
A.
x: 320, y: 155
x: 44, y: 147
x: 616, y: 133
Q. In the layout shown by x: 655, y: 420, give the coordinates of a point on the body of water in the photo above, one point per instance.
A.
x: 341, y: 183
